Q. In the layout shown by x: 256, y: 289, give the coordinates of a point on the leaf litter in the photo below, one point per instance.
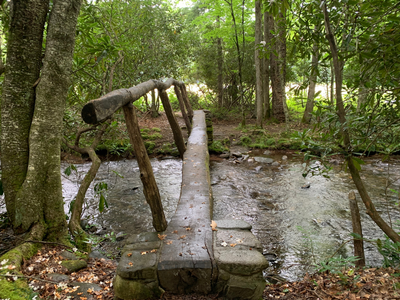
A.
x: 367, y: 284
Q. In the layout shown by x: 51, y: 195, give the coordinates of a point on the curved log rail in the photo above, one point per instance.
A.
x: 99, y: 110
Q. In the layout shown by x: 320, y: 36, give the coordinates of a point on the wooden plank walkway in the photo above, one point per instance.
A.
x: 186, y: 259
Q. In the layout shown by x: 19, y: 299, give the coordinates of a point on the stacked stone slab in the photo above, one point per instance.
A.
x: 239, y: 259
x: 137, y: 276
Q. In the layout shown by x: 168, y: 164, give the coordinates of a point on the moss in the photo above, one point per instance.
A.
x: 74, y: 265
x: 145, y: 130
x: 165, y: 149
x: 217, y: 147
x: 18, y: 289
x: 155, y: 136
x: 149, y: 146
x: 245, y: 140
x: 156, y: 129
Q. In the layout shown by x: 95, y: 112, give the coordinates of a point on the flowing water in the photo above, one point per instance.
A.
x: 297, y: 226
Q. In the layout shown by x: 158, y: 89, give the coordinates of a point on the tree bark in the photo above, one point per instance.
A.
x: 41, y: 193
x: 74, y: 223
x: 220, y: 60
x: 24, y: 60
x: 150, y: 188
x: 266, y: 71
x: 183, y: 110
x: 357, y: 228
x: 338, y: 68
x: 312, y: 83
x: 176, y: 130
x: 259, y: 91
x: 276, y: 79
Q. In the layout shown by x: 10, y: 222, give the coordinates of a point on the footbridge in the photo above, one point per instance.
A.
x: 192, y: 253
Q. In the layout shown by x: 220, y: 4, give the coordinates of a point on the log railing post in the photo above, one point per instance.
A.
x: 150, y: 188
x: 186, y: 100
x: 176, y: 130
x: 183, y: 110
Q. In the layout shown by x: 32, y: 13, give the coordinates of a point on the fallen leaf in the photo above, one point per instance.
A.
x: 153, y: 251
x: 161, y: 237
x: 232, y: 245
x: 224, y: 244
x: 129, y: 254
x: 182, y: 237
x: 131, y: 264
x: 213, y: 225
x: 175, y: 231
x: 180, y: 254
x: 188, y: 228
x: 168, y: 242
x: 144, y: 252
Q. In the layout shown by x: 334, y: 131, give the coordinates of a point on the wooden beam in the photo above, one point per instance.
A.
x: 187, y: 102
x: 176, y: 129
x: 150, y: 188
x: 183, y: 110
x: 99, y: 110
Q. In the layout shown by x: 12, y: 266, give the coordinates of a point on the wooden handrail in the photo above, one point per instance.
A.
x: 99, y: 110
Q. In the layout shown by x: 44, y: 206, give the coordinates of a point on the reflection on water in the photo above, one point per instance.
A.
x: 296, y: 226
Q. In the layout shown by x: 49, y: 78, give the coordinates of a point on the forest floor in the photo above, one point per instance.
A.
x: 346, y: 284
x: 371, y: 284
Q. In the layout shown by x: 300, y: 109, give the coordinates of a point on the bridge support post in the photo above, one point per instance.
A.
x: 150, y: 188
x: 176, y: 130
x: 182, y: 107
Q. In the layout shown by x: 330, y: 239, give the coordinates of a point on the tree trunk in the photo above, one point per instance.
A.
x: 150, y: 188
x: 276, y: 79
x: 266, y: 72
x: 24, y: 60
x: 312, y: 83
x: 259, y: 92
x: 338, y: 68
x: 74, y: 223
x: 357, y: 228
x: 220, y: 60
x: 41, y: 193
x: 332, y: 84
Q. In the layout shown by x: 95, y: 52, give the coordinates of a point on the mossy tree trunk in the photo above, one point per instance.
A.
x: 24, y: 56
x: 257, y: 60
x: 32, y: 180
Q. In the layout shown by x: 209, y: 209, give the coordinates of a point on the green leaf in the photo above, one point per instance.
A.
x: 101, y: 203
x: 67, y: 171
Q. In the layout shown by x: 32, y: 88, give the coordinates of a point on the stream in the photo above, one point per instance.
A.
x: 297, y: 226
